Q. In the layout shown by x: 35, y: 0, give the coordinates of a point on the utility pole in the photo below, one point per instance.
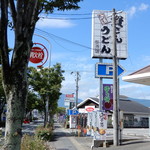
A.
x: 115, y: 84
x: 77, y: 88
x: 100, y: 89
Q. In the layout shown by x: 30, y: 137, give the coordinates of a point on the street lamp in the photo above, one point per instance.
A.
x: 50, y: 48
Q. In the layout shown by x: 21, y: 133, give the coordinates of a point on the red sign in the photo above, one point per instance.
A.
x: 39, y: 54
x: 36, y: 55
x: 69, y: 95
x: 89, y: 109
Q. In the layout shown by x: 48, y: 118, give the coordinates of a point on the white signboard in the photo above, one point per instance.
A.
x: 89, y: 108
x: 97, y: 124
x: 67, y: 102
x: 83, y: 110
x: 102, y: 125
x: 102, y: 36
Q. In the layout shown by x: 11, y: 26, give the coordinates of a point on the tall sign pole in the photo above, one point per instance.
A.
x: 100, y: 89
x: 109, y: 41
x: 77, y: 87
x: 115, y: 84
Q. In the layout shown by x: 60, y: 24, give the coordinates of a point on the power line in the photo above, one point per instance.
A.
x: 68, y: 18
x: 64, y: 14
x: 58, y: 37
x: 63, y: 39
x: 63, y: 46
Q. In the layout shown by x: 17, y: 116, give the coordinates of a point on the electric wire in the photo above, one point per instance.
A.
x: 67, y: 18
x: 82, y: 14
x: 63, y: 39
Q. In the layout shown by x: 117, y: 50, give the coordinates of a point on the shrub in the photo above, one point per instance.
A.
x: 44, y: 133
x: 32, y: 143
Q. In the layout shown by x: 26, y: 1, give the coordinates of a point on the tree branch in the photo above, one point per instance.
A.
x: 31, y: 13
x: 13, y: 11
x: 3, y: 39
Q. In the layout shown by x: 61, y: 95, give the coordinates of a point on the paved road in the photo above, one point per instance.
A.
x: 64, y: 140
x: 30, y: 128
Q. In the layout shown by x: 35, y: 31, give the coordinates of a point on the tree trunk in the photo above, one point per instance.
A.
x: 24, y: 16
x: 16, y: 97
x: 45, y: 121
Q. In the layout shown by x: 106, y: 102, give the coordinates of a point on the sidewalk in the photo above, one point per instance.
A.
x: 66, y: 140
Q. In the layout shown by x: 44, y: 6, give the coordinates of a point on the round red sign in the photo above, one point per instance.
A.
x: 36, y: 55
x: 89, y: 109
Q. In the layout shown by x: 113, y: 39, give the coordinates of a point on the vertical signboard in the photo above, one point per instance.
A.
x: 99, y: 125
x: 69, y: 101
x: 89, y: 123
x: 102, y: 34
x: 102, y: 125
x: 107, y: 96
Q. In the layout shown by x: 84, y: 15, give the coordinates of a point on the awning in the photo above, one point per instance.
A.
x: 141, y: 76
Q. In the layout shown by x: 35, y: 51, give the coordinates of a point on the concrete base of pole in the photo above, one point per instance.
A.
x: 105, y: 144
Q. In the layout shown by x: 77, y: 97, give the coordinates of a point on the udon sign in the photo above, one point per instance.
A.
x: 38, y: 54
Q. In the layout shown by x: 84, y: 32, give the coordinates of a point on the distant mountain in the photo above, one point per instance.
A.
x: 145, y: 102
x: 62, y: 99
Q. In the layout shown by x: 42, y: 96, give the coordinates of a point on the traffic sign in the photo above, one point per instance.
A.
x: 72, y: 112
x: 105, y: 70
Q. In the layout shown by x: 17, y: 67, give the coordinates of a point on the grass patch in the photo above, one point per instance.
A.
x: 33, y: 143
x: 45, y: 134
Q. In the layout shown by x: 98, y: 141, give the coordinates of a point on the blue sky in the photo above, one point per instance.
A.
x: 68, y: 37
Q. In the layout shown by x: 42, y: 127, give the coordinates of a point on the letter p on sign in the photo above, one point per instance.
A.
x: 109, y: 70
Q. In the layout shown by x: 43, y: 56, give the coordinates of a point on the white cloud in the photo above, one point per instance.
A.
x: 54, y: 23
x: 143, y: 7
x: 135, y: 91
x: 88, y: 85
x: 127, y: 86
x: 132, y: 11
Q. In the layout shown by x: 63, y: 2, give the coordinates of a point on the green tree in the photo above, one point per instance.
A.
x: 33, y: 102
x: 55, y: 83
x: 22, y: 16
x: 47, y: 83
x: 61, y: 110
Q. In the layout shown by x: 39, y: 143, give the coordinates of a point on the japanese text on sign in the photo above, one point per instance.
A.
x: 102, y: 37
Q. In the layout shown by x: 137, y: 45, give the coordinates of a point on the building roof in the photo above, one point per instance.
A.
x: 94, y: 99
x: 129, y: 106
x: 143, y: 70
x: 141, y: 76
x: 125, y: 104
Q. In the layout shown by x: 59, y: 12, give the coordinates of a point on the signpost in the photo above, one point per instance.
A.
x: 109, y: 41
x: 39, y: 54
x: 106, y: 70
x: 72, y: 112
x: 36, y: 55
